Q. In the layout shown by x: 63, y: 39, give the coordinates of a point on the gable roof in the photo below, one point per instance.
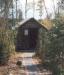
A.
x: 22, y: 23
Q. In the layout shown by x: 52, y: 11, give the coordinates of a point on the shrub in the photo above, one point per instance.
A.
x: 6, y: 45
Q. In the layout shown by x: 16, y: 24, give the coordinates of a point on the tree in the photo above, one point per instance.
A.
x: 55, y: 52
x: 5, y: 7
x: 46, y: 9
x: 20, y: 15
x: 62, y: 4
x: 6, y: 45
x: 60, y: 8
x: 40, y: 8
x: 26, y: 9
x: 54, y: 7
x: 6, y: 35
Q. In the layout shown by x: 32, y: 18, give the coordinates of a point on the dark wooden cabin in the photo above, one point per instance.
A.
x: 28, y: 35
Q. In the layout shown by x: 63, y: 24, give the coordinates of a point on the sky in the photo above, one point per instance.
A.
x: 48, y: 3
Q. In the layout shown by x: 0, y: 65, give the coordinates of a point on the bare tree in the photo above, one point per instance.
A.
x: 20, y: 15
x: 26, y: 9
x: 16, y: 9
x: 33, y: 7
x: 54, y: 7
x: 46, y: 9
x: 60, y: 7
x: 5, y: 7
x: 40, y: 8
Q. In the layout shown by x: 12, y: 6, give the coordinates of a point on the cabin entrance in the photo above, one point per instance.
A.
x: 33, y: 37
x: 29, y: 39
x: 27, y: 36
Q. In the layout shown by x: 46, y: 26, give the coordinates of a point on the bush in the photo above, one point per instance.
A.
x: 53, y: 67
x: 6, y: 45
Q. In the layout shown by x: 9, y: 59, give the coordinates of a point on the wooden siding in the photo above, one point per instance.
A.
x: 28, y: 42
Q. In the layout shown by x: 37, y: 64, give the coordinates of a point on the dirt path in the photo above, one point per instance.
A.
x: 30, y: 66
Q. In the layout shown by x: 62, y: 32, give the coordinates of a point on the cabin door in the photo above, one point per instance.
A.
x: 33, y: 36
x: 30, y: 39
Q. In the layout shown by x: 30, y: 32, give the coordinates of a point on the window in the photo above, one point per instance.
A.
x: 26, y: 32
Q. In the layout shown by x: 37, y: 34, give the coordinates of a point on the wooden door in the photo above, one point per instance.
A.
x: 33, y: 38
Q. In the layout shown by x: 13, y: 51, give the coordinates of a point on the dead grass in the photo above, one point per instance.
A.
x: 4, y: 70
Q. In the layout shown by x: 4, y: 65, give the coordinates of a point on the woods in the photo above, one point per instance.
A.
x: 51, y: 51
x: 53, y: 47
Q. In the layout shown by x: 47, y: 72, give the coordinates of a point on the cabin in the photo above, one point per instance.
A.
x: 27, y: 39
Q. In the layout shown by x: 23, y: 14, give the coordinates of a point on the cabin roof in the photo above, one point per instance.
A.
x: 19, y: 24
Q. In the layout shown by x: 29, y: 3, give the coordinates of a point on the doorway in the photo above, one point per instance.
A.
x: 30, y: 39
x: 27, y: 40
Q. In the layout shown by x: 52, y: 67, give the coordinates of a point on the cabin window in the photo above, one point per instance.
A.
x: 26, y: 32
